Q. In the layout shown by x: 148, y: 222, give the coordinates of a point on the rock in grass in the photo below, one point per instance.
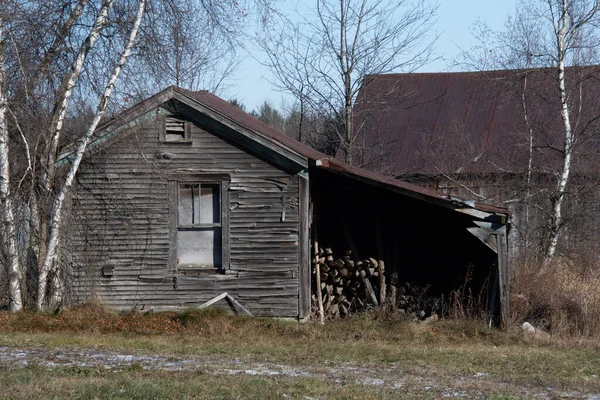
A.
x: 537, y: 333
x: 527, y: 327
x: 431, y: 318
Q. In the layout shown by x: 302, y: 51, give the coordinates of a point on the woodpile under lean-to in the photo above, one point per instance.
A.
x: 347, y: 286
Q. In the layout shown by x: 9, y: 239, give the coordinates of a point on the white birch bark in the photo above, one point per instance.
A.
x: 530, y: 159
x: 556, y: 218
x: 70, y: 80
x: 50, y: 261
x: 9, y: 232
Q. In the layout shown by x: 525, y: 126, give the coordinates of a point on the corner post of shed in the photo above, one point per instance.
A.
x: 304, y: 273
x: 503, y: 278
x: 492, y: 230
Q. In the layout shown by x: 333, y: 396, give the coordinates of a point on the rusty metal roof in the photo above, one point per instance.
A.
x: 245, y: 119
x: 473, y: 122
x: 322, y: 160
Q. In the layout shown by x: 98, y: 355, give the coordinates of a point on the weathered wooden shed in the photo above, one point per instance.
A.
x: 183, y: 197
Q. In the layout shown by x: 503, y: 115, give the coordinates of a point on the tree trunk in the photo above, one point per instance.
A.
x: 37, y: 237
x: 529, y: 161
x: 301, y: 116
x: 556, y: 218
x: 348, y: 142
x: 10, y: 246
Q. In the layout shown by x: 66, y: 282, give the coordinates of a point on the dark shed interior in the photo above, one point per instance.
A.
x: 422, y: 243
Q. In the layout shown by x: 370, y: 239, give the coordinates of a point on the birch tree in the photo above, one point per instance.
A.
x: 562, y: 38
x: 55, y: 129
x: 60, y: 61
x: 9, y: 241
x: 51, y: 258
x: 323, y: 59
x: 569, y: 21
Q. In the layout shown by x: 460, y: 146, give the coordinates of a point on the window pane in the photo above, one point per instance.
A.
x: 189, y: 204
x: 199, y: 248
x: 210, y: 209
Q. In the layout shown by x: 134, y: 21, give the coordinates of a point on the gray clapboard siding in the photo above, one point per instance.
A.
x: 122, y: 204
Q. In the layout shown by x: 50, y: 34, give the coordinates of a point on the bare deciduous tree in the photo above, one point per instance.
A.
x: 188, y: 46
x: 323, y: 59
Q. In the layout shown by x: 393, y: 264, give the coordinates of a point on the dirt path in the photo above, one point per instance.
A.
x: 388, y: 376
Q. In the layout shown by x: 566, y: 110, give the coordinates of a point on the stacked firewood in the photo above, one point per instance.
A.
x: 416, y: 303
x: 347, y: 285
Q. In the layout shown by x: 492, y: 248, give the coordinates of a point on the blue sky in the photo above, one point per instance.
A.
x: 250, y: 83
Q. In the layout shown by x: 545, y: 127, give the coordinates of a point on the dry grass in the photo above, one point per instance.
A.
x: 452, y: 350
x: 366, y: 338
x: 464, y: 304
x: 562, y: 299
x: 209, y: 323
x: 89, y: 318
x: 133, y: 383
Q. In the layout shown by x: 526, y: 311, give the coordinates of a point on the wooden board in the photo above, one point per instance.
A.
x: 304, y: 250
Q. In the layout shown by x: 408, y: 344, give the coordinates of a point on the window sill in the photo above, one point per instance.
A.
x: 197, y: 270
x: 186, y: 142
